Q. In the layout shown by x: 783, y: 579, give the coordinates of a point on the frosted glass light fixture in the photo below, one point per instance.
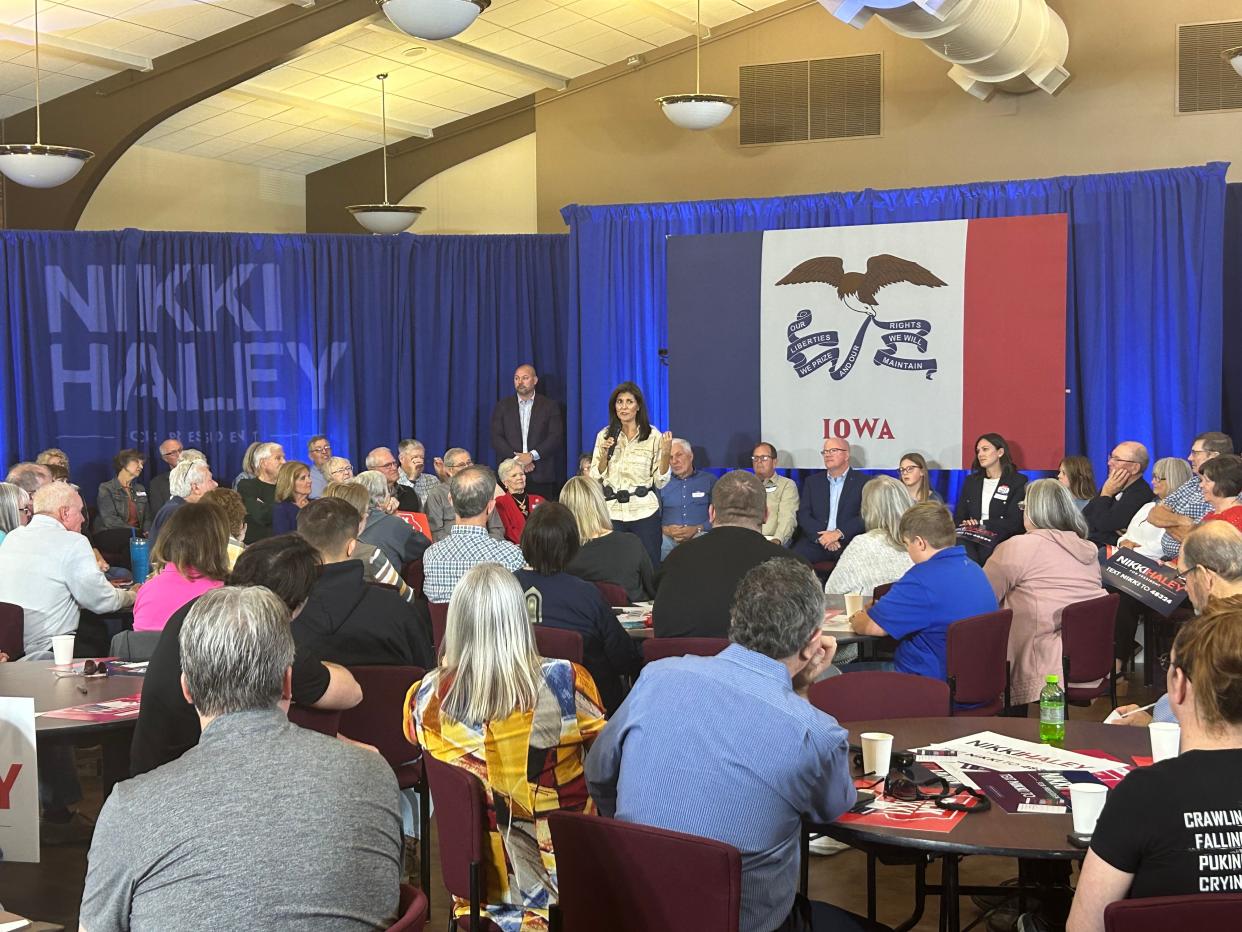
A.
x: 385, y: 218
x: 697, y: 110
x: 433, y: 19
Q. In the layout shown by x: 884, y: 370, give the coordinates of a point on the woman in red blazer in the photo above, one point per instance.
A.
x: 516, y: 504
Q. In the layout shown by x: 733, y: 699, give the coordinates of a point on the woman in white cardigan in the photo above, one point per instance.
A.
x: 1168, y: 474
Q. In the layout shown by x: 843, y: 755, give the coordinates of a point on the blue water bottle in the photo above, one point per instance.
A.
x: 139, y: 558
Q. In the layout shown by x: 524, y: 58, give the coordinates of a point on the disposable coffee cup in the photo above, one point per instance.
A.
x: 877, y: 749
x: 1166, y: 740
x: 1086, y: 803
x: 854, y: 603
x: 62, y: 648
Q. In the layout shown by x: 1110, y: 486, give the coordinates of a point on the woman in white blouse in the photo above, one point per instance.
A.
x: 1168, y: 474
x: 631, y: 459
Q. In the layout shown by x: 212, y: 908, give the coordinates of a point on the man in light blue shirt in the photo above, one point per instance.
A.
x: 685, y: 500
x: 728, y: 747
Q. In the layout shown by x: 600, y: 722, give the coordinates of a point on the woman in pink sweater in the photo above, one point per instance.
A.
x: 190, y: 557
x: 1037, y: 574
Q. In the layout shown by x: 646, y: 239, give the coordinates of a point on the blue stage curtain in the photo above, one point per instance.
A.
x: 1143, y: 306
x: 117, y: 339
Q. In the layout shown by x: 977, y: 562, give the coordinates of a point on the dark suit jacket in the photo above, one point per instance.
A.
x: 158, y: 494
x: 1004, y: 515
x: 545, y: 434
x: 813, y: 510
x: 1107, y: 516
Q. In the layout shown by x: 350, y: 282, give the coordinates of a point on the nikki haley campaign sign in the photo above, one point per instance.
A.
x: 895, y: 337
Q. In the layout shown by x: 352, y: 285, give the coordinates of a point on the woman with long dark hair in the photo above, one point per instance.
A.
x: 990, y: 505
x: 631, y: 459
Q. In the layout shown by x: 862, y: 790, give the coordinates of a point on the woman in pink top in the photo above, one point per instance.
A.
x: 1037, y: 574
x: 190, y: 557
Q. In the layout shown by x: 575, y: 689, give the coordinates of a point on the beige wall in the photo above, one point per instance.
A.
x: 611, y: 144
x: 490, y: 193
x: 157, y: 190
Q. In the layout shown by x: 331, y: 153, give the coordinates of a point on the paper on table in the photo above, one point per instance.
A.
x: 998, y: 752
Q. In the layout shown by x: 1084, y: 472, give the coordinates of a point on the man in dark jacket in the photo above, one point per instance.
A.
x: 529, y: 428
x: 1124, y: 492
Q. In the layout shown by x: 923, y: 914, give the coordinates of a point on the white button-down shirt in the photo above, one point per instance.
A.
x: 51, y: 573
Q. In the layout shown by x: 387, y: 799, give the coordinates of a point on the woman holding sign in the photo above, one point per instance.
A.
x: 989, y: 510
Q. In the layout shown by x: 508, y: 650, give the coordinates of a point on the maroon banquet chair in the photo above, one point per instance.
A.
x: 558, y: 643
x: 1209, y: 911
x: 12, y: 630
x: 461, y: 814
x: 880, y: 590
x: 659, y: 648
x: 413, y: 575
x: 439, y: 623
x: 872, y: 694
x: 325, y: 721
x: 615, y: 876
x: 613, y: 594
x: 1087, y: 649
x: 412, y: 910
x: 977, y: 663
x: 378, y: 720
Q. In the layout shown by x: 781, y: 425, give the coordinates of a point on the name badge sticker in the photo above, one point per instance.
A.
x: 697, y: 494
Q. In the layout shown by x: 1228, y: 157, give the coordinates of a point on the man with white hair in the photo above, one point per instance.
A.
x: 685, y: 500
x: 1124, y: 492
x: 412, y: 457
x: 438, y: 505
x: 383, y: 462
x: 188, y: 482
x: 160, y: 491
x: 259, y: 493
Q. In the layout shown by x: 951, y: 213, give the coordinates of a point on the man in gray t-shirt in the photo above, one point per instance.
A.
x: 263, y: 825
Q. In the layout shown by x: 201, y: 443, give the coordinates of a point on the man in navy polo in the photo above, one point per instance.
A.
x: 942, y: 587
x: 685, y: 499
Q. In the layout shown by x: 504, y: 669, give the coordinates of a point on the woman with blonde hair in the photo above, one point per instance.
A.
x: 494, y: 707
x: 234, y: 509
x: 293, y: 486
x: 605, y: 555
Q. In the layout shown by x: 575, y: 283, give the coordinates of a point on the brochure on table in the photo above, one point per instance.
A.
x: 19, y: 781
x: 114, y: 710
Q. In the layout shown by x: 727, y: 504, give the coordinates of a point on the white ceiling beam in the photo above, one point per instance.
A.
x: 676, y: 20
x: 76, y: 48
x: 344, y: 113
x: 457, y: 49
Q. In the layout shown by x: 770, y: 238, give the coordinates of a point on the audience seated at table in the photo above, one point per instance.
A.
x: 1166, y: 829
x: 728, y: 747
x: 15, y: 508
x: 190, y: 558
x: 781, y: 492
x: 468, y: 543
x: 991, y: 496
x: 346, y: 619
x: 1220, y: 480
x: 167, y: 726
x: 1141, y: 535
x: 1184, y: 507
x: 399, y: 542
x: 830, y: 509
x: 1124, y: 492
x: 188, y: 482
x: 1037, y: 574
x: 293, y: 491
x: 516, y: 505
x: 264, y: 824
x: 259, y: 491
x: 879, y: 555
x: 1077, y: 476
x: 375, y: 565
x: 520, y: 723
x: 606, y: 555
x: 234, y: 509
x: 943, y: 586
x: 684, y: 502
x: 912, y: 468
x: 695, y: 585
x: 122, y: 501
x: 559, y: 600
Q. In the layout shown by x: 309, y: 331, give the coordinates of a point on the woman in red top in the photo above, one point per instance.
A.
x: 515, y: 506
x: 1220, y: 479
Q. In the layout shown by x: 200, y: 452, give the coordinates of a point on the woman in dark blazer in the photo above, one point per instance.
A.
x: 122, y: 502
x: 991, y: 498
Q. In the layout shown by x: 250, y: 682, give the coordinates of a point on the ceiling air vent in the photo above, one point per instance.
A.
x: 1205, y: 81
x: 799, y: 101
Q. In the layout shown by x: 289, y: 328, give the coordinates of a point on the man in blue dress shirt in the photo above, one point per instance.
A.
x: 685, y: 499
x: 728, y: 747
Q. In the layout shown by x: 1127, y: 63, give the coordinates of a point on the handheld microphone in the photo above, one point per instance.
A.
x: 611, y: 434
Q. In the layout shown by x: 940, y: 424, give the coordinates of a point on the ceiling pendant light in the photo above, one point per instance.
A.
x: 697, y: 110
x: 433, y: 19
x: 34, y: 164
x: 385, y: 217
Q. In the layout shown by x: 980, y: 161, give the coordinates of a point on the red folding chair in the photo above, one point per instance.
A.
x: 613, y: 594
x: 1087, y: 649
x: 558, y: 643
x: 977, y: 662
x: 615, y: 876
x: 412, y: 911
x: 1210, y: 911
x: 461, y: 813
x: 325, y: 721
x: 12, y: 630
x: 439, y: 623
x: 871, y: 694
x: 378, y: 721
x: 659, y: 648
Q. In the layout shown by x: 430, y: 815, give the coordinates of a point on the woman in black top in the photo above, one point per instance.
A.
x: 1172, y: 829
x: 606, y: 555
x: 991, y: 497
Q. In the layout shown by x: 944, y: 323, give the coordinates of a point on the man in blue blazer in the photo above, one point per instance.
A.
x: 830, y: 512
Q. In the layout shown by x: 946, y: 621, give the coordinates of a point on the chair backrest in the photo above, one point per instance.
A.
x: 1158, y: 914
x: 558, y: 643
x: 12, y: 630
x: 1087, y: 638
x: 413, y: 575
x: 855, y: 697
x: 976, y: 659
x: 881, y: 590
x: 417, y: 520
x: 612, y: 593
x: 411, y: 910
x: 659, y: 648
x: 134, y: 645
x: 113, y: 543
x: 439, y: 623
x: 461, y: 811
x: 326, y: 722
x: 615, y: 876
x: 377, y: 719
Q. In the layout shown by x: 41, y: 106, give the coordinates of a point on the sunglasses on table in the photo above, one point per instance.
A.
x: 89, y: 668
x: 901, y: 784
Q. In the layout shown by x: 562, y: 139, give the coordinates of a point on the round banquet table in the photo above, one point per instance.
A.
x: 995, y: 832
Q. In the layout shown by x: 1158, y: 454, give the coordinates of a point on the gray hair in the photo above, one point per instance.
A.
x: 776, y: 608
x: 489, y: 648
x: 884, y: 501
x: 30, y: 476
x: 193, y: 455
x: 11, y: 499
x: 506, y: 467
x: 471, y: 490
x: 454, y: 453
x: 1049, y: 506
x: 738, y: 498
x: 376, y: 485
x: 373, y: 457
x: 1175, y: 470
x: 584, y: 497
x: 185, y: 475
x: 236, y: 645
x: 333, y: 463
x: 262, y: 452
x: 49, y: 499
x: 405, y: 446
x: 684, y: 444
x: 1217, y: 546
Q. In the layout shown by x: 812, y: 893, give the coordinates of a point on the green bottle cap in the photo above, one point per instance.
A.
x: 1051, y: 678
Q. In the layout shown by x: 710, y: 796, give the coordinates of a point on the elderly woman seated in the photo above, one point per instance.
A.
x: 399, y: 542
x: 516, y: 504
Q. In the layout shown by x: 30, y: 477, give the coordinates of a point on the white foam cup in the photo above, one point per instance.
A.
x: 62, y: 648
x: 1086, y: 803
x: 1166, y: 740
x: 877, y: 749
x: 854, y: 603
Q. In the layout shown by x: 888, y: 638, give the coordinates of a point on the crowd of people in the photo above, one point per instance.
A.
x: 265, y: 592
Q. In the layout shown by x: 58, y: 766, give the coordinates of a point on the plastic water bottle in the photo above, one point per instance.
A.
x: 1052, y: 713
x: 139, y: 558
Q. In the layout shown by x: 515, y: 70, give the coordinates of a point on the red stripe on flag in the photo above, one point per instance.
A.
x: 1013, y: 378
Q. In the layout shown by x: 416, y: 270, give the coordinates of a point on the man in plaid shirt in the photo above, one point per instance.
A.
x: 468, y: 544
